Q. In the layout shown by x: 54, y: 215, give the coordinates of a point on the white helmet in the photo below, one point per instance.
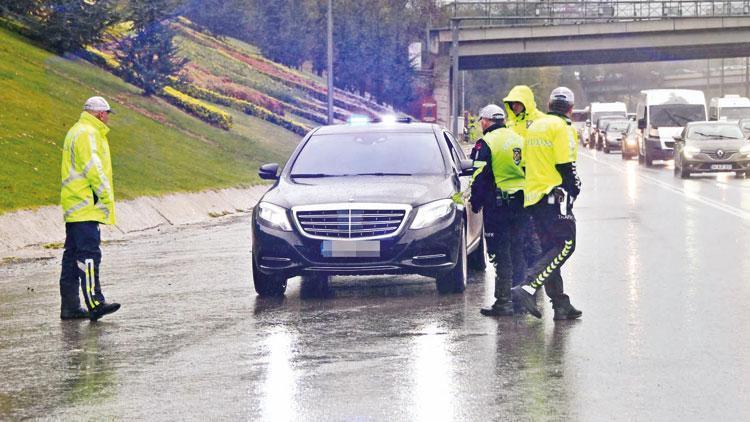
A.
x: 492, y: 112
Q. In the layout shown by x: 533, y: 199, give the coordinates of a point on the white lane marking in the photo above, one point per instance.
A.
x: 737, y: 212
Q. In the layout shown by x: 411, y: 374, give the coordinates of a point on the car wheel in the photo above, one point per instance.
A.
x: 267, y: 285
x: 455, y: 280
x: 640, y: 158
x: 647, y: 159
x: 624, y: 155
x: 477, y: 261
x: 605, y: 148
x: 315, y: 286
x: 682, y: 173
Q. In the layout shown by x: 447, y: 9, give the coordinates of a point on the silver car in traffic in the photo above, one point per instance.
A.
x: 705, y: 147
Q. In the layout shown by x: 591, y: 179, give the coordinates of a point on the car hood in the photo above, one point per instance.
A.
x: 713, y: 145
x: 666, y: 134
x: 410, y: 190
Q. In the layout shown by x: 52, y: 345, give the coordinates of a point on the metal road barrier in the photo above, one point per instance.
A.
x: 554, y: 12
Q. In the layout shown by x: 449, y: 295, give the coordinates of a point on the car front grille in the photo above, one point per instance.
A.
x: 350, y: 223
x: 714, y: 156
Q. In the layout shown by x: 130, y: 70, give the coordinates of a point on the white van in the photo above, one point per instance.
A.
x: 599, y: 110
x: 729, y: 107
x: 661, y: 114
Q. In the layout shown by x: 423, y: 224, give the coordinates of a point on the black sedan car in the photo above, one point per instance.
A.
x: 705, y: 147
x: 381, y: 198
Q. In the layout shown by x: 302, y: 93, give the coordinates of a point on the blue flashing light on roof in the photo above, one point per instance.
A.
x: 356, y: 120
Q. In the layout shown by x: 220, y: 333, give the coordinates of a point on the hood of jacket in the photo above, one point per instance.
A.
x: 523, y: 95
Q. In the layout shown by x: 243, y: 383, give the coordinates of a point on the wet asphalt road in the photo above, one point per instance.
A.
x: 660, y: 271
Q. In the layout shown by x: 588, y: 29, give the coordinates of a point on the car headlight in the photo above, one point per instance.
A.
x: 273, y: 216
x: 690, y: 152
x: 428, y: 214
x: 630, y: 141
x: 745, y: 150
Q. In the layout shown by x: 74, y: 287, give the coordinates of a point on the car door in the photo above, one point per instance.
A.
x: 474, y: 220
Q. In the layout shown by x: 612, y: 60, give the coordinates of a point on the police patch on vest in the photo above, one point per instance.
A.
x: 517, y: 155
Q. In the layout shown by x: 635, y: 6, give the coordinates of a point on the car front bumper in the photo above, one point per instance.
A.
x: 430, y: 251
x: 715, y: 166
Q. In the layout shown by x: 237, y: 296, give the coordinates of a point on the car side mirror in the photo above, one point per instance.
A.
x: 467, y: 167
x: 269, y: 171
x: 677, y: 138
x: 642, y: 124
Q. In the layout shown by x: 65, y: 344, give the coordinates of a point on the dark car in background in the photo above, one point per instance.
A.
x: 705, y: 147
x: 612, y: 134
x: 383, y: 198
x: 600, y: 130
x: 630, y: 141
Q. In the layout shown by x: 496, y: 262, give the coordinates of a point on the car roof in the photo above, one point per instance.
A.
x: 376, y: 128
x: 714, y: 123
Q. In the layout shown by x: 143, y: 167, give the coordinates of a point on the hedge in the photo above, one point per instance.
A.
x: 198, y: 108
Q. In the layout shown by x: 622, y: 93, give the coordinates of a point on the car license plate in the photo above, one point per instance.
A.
x: 350, y: 248
x: 721, y: 166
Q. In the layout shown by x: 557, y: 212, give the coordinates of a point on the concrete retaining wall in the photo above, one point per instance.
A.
x: 45, y: 225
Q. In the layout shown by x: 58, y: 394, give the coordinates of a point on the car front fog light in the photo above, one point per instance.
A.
x: 429, y: 213
x: 273, y: 216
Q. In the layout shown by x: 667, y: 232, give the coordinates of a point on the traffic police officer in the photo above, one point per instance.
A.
x: 552, y: 185
x: 497, y: 188
x: 520, y: 107
x: 87, y: 200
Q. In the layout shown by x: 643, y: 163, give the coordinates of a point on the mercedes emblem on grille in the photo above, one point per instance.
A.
x: 720, y: 153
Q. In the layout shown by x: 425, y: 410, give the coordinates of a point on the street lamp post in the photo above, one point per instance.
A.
x: 330, y: 62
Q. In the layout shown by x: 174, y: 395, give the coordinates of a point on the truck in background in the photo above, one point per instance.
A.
x: 729, y: 107
x: 662, y: 114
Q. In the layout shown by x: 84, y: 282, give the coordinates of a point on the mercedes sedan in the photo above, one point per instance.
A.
x: 704, y: 147
x: 375, y: 198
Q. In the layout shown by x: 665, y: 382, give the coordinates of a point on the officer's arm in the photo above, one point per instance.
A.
x: 565, y: 162
x: 88, y: 150
x: 483, y: 181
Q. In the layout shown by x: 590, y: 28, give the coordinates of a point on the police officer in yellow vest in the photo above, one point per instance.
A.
x: 474, y: 129
x: 552, y: 184
x: 497, y: 188
x: 87, y: 200
x: 521, y: 109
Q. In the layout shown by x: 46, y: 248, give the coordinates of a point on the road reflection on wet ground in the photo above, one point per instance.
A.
x: 660, y: 272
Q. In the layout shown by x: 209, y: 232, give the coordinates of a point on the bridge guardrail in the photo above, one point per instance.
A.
x: 553, y: 12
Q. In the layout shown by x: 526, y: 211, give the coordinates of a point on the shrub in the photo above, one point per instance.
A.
x: 198, y: 108
x: 106, y: 60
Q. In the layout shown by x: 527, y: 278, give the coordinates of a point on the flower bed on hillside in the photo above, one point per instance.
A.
x: 198, y: 108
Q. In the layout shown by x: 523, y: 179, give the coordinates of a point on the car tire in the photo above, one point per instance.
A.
x: 454, y: 281
x: 681, y: 172
x: 624, y: 155
x: 647, y: 159
x: 640, y: 158
x: 477, y: 259
x: 315, y: 286
x: 267, y: 285
x: 605, y: 148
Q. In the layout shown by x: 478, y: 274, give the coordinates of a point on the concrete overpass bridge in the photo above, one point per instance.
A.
x: 512, y: 34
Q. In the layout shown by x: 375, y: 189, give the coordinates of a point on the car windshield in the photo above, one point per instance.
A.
x: 676, y: 115
x: 735, y: 113
x: 376, y: 154
x: 618, y: 126
x: 713, y: 131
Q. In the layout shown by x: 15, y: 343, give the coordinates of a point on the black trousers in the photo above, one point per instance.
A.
x: 506, y: 230
x: 557, y: 236
x: 80, y: 265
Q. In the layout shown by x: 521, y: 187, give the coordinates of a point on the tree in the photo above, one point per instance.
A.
x: 149, y: 58
x: 69, y: 25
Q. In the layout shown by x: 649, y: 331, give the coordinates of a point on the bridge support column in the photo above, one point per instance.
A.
x: 454, y: 77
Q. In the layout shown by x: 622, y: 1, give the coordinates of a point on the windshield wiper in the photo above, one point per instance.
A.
x: 717, y: 136
x: 313, y: 175
x: 382, y: 174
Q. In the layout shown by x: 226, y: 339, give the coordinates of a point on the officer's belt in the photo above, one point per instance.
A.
x: 505, y: 197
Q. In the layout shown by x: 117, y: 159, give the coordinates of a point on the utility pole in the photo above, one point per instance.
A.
x: 747, y: 77
x: 454, y: 76
x: 330, y: 62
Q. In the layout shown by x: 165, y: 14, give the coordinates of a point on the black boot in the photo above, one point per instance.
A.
x: 525, y: 299
x: 80, y: 313
x: 103, y: 309
x: 498, y: 309
x: 564, y: 310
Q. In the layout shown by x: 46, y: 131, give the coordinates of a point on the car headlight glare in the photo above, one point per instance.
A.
x: 690, y: 151
x: 429, y: 213
x: 274, y: 216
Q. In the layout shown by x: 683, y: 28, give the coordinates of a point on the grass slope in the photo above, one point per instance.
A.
x: 156, y: 148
